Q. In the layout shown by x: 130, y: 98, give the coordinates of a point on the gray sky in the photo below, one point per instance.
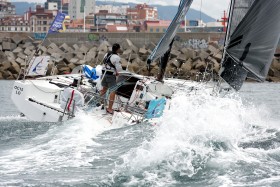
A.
x: 213, y: 8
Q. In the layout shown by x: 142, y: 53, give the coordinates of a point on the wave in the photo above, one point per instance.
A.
x: 199, y: 138
x: 59, y: 145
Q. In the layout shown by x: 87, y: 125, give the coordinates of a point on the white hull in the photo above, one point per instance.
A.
x: 38, y: 100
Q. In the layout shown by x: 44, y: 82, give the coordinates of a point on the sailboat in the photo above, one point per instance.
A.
x: 253, y: 33
x: 57, y: 98
x: 251, y: 40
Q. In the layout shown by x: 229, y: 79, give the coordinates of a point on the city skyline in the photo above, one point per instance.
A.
x: 216, y: 10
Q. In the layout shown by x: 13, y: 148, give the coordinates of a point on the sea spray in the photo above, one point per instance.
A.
x: 197, y: 133
x: 63, y: 145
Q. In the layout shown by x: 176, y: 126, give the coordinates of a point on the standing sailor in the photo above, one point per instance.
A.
x: 111, y: 69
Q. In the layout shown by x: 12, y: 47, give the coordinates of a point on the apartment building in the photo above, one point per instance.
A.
x: 142, y: 12
x: 6, y: 9
x: 78, y: 9
x: 14, y: 24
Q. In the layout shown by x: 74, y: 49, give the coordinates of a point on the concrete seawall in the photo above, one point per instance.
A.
x: 139, y: 39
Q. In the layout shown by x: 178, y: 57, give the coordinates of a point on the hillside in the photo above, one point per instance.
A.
x: 191, y: 15
x: 22, y: 7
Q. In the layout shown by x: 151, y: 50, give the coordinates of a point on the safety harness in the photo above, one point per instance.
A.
x: 107, y: 62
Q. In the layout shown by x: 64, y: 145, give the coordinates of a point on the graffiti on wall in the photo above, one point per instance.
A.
x: 195, y: 43
x: 103, y: 38
x: 93, y: 37
x: 96, y: 38
x: 39, y: 36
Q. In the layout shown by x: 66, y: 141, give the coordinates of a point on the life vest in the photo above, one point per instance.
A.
x: 107, y: 61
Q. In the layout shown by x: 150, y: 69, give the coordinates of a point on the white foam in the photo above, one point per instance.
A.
x: 12, y: 117
x: 66, y: 145
x: 198, y: 131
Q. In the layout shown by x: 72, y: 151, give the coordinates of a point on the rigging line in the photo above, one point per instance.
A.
x: 127, y: 24
x: 204, y: 72
x: 232, y: 4
x: 186, y: 80
x: 227, y: 35
x: 208, y: 62
x: 200, y: 10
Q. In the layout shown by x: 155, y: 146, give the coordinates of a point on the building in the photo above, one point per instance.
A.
x: 40, y: 19
x: 206, y: 27
x: 104, y: 18
x: 65, y: 2
x: 199, y: 26
x: 78, y: 9
x: 156, y: 26
x: 6, y: 9
x: 162, y: 26
x: 14, y: 24
x: 214, y: 27
x: 53, y: 5
x: 58, y: 5
x: 142, y: 12
x: 113, y: 9
x: 136, y: 26
x: 65, y: 9
x: 79, y: 25
x: 116, y: 28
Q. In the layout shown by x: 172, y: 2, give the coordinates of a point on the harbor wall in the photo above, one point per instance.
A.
x: 138, y: 39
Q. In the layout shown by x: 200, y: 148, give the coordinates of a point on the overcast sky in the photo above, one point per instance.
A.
x: 213, y: 8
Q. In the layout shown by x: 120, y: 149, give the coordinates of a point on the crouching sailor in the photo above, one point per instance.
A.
x: 71, y: 99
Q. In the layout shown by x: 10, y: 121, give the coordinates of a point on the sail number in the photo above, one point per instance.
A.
x: 18, y: 89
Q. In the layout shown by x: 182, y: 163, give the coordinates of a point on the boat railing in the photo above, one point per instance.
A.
x: 136, y: 113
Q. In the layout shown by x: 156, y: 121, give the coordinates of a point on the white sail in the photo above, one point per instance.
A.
x: 38, y: 66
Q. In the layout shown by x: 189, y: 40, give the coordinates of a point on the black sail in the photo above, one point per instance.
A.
x: 240, y: 9
x: 163, y: 45
x: 251, y: 46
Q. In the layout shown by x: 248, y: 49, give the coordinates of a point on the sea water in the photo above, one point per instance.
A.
x: 201, y: 140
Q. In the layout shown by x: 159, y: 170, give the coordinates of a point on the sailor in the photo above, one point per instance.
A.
x: 75, y: 82
x: 111, y: 69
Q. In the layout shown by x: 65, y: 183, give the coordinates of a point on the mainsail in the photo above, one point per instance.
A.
x: 165, y: 44
x: 252, y: 43
x: 240, y: 9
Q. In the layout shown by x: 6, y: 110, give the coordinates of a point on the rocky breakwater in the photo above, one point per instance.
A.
x: 186, y: 63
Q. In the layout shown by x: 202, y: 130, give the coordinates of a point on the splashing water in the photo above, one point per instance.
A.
x: 63, y: 147
x: 198, y: 136
x: 201, y: 140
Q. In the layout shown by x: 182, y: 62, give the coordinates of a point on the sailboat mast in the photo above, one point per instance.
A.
x: 232, y: 3
x: 163, y: 63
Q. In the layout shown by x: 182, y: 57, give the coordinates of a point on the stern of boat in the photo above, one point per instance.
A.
x: 37, y: 100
